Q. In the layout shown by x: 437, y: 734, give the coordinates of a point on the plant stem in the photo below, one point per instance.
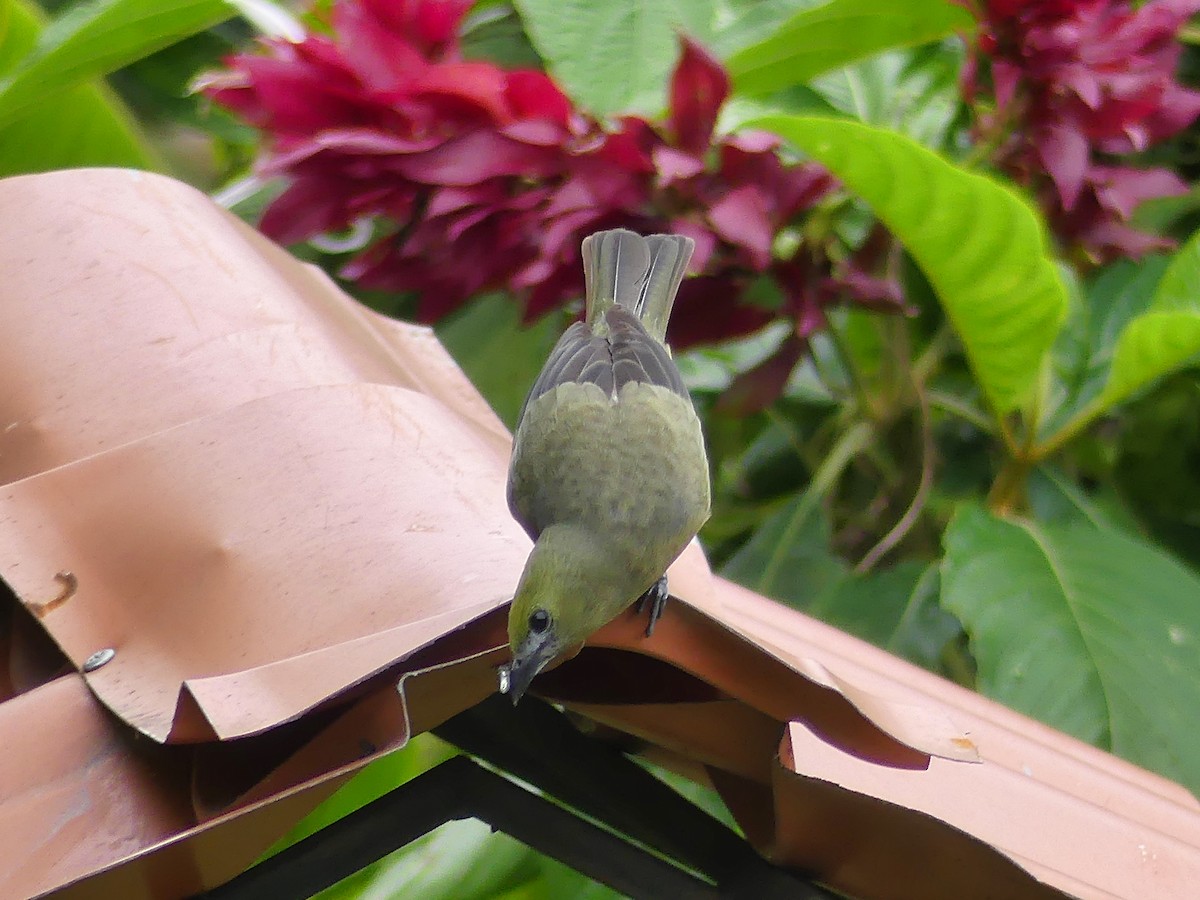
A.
x: 1078, y: 423
x: 852, y: 374
x: 924, y: 485
x: 848, y: 446
x: 963, y: 410
x: 1006, y: 435
x: 1008, y: 491
x: 931, y: 357
x: 788, y: 427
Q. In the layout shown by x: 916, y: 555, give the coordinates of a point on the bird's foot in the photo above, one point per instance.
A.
x: 656, y: 595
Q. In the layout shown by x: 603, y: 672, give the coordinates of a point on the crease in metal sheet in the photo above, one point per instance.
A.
x: 880, y: 850
x: 1004, y: 737
x: 922, y: 727
x: 313, y: 540
x: 141, y: 324
x: 320, y: 674
x: 716, y: 652
x: 209, y: 851
x: 1117, y: 848
x: 126, y: 328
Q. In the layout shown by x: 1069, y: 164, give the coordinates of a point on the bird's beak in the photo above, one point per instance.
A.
x: 534, y: 654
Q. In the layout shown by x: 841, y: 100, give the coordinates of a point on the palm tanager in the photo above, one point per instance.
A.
x: 608, y: 474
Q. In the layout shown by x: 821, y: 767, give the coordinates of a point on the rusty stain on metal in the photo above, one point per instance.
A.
x: 70, y: 584
x: 298, y: 538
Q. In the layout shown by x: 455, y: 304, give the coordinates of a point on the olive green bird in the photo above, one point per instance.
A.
x: 608, y: 473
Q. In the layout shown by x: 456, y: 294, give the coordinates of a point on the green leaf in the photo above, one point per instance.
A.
x: 1163, y: 339
x: 614, y: 56
x: 1083, y: 352
x: 500, y: 355
x: 1157, y: 452
x: 1088, y: 629
x: 1166, y: 337
x: 896, y: 609
x: 83, y: 126
x: 496, y: 35
x: 789, y: 557
x: 839, y: 32
x: 1152, y: 345
x: 981, y: 245
x: 1179, y: 289
x: 1055, y: 498
x: 93, y: 39
x: 740, y: 23
x: 915, y: 92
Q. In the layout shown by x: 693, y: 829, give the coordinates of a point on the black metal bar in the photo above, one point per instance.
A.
x: 537, y: 744
x: 600, y: 855
x: 457, y: 789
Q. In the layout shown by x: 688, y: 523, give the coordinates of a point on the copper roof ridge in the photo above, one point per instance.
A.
x: 208, y: 436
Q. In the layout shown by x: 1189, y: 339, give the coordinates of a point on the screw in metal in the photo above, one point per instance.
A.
x: 98, y: 659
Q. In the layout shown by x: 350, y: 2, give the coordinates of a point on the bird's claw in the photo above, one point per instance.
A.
x: 656, y: 595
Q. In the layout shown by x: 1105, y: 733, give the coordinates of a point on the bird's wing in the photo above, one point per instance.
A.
x: 626, y: 354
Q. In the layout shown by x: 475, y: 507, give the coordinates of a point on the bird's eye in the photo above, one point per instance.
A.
x: 539, y: 621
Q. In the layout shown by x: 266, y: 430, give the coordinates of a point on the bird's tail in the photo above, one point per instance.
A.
x: 640, y: 273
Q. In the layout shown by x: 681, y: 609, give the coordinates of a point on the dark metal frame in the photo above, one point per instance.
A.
x: 660, y: 846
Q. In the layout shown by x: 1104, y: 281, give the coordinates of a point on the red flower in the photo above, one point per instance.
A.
x: 482, y: 179
x: 1080, y: 81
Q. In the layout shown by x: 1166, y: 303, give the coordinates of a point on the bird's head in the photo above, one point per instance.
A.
x: 566, y: 592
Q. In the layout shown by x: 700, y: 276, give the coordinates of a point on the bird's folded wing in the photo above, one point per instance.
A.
x: 627, y: 354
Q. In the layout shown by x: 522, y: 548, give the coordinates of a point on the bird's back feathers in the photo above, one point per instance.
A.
x: 631, y: 288
x: 631, y: 285
x: 623, y: 355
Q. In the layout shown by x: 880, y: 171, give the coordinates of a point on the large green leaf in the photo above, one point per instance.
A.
x: 1166, y: 337
x: 1162, y: 339
x: 981, y: 245
x: 616, y: 55
x: 496, y: 35
x: 915, y: 92
x: 1152, y: 345
x: 1056, y: 498
x: 1179, y: 289
x: 1100, y: 311
x: 1157, y: 453
x: 740, y: 23
x: 93, y: 39
x: 85, y: 125
x: 839, y: 32
x: 1088, y: 629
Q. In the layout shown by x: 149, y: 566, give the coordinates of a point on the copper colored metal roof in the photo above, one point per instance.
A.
x: 285, y: 515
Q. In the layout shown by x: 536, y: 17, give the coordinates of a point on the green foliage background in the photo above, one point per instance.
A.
x: 1003, y: 488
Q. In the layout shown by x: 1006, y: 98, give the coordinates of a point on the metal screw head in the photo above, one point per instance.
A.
x: 98, y: 659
